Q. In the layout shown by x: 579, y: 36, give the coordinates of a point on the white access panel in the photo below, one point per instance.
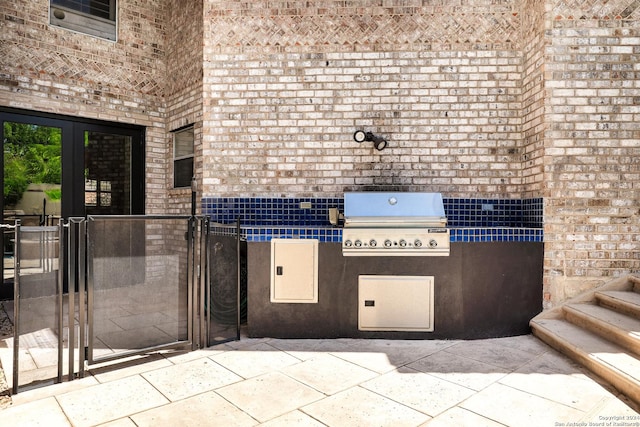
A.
x: 294, y: 270
x: 395, y: 303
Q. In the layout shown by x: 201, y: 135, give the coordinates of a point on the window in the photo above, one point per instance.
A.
x: 183, y: 157
x: 97, y: 193
x: 93, y: 17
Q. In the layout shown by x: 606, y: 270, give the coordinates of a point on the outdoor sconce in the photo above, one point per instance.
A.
x: 379, y: 142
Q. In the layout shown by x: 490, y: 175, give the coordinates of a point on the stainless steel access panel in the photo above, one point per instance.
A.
x: 395, y: 303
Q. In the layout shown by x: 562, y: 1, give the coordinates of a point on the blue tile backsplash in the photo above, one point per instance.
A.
x: 275, y: 212
x: 470, y: 220
x: 493, y: 212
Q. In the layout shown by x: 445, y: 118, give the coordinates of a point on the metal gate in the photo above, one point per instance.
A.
x: 101, y: 288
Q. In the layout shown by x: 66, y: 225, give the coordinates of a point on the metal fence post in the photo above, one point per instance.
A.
x: 72, y: 264
x: 203, y: 278
x: 16, y: 306
x: 191, y: 320
x: 239, y: 280
x: 62, y: 241
x: 81, y: 267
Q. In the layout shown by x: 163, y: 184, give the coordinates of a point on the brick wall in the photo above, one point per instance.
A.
x: 592, y: 153
x: 532, y: 112
x: 50, y: 69
x: 287, y: 83
x: 184, y: 88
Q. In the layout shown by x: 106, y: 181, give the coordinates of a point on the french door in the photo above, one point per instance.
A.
x: 60, y: 167
x: 55, y: 166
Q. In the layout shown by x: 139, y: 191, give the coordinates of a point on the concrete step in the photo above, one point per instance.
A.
x: 626, y: 302
x: 607, y: 360
x: 616, y: 327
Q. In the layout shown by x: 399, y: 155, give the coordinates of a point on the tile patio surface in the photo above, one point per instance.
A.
x: 516, y: 381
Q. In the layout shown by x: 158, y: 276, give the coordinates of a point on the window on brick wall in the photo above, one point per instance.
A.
x: 183, y: 157
x: 93, y: 17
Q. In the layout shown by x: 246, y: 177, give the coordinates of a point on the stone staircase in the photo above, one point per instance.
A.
x: 601, y: 331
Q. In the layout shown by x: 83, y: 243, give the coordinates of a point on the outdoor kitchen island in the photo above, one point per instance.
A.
x: 481, y: 290
x: 488, y: 285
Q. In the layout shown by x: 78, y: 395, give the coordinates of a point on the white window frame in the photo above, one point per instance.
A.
x: 183, y: 135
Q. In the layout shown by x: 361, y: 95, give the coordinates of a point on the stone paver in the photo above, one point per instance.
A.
x: 270, y: 395
x: 516, y: 381
x: 358, y: 407
x: 109, y: 401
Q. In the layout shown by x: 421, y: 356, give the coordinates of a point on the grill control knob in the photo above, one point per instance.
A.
x: 433, y: 243
x: 387, y: 243
x: 373, y: 243
x: 358, y: 243
x: 402, y: 243
x: 417, y: 243
x: 348, y: 243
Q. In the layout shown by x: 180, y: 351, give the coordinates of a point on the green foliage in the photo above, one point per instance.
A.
x: 15, y: 180
x: 55, y: 194
x: 32, y: 154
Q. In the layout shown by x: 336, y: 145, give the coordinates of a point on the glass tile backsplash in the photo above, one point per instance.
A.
x: 493, y: 212
x: 272, y: 212
x: 470, y: 220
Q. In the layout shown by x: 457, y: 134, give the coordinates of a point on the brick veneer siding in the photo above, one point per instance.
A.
x: 50, y: 69
x: 532, y: 33
x: 287, y: 84
x: 592, y: 144
x: 184, y: 88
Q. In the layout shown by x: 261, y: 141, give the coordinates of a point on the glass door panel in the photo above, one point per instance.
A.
x: 107, y: 173
x: 32, y: 179
x: 32, y: 173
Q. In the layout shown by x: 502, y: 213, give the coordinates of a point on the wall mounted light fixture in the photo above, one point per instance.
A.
x: 379, y: 142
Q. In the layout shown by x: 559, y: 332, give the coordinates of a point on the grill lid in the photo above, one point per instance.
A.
x: 394, y: 209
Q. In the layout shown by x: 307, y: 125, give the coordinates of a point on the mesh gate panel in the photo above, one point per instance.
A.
x: 37, y: 307
x: 138, y: 287
x: 225, y: 255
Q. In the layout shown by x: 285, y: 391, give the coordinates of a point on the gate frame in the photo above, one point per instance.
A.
x: 191, y: 340
x: 73, y: 266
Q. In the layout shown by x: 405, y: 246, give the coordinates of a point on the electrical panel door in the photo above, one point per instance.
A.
x: 294, y: 270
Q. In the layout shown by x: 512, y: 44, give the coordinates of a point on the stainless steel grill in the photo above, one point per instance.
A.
x: 394, y: 224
